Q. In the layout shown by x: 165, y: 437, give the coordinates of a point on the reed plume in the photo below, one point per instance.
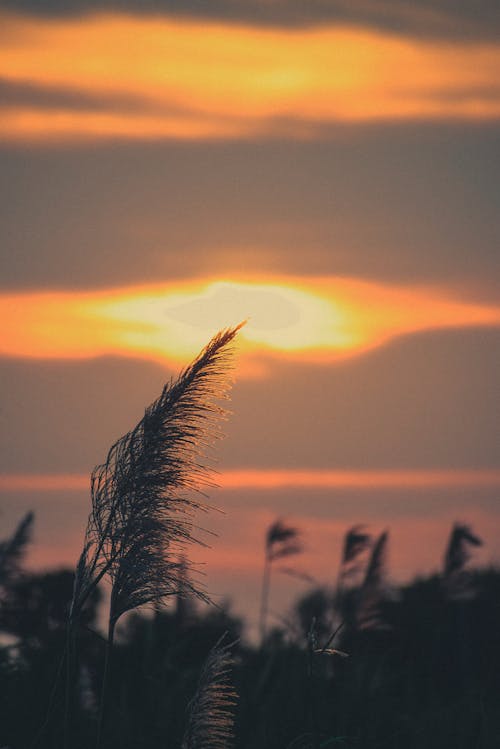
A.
x: 145, y: 494
x: 355, y: 542
x: 456, y: 576
x: 12, y: 550
x: 458, y: 551
x: 281, y: 541
x: 211, y: 712
x: 369, y: 614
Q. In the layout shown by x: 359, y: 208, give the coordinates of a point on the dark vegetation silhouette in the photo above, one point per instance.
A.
x: 360, y: 663
x: 423, y: 672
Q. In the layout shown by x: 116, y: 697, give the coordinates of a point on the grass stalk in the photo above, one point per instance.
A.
x: 50, y: 705
x: 264, y: 602
x: 68, y: 692
x: 105, y: 682
x: 311, y: 680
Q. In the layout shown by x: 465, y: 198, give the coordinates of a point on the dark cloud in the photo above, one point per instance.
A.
x: 27, y: 94
x: 374, y: 506
x: 408, y: 204
x: 425, y: 401
x: 462, y: 94
x: 31, y: 95
x: 64, y: 416
x: 434, y: 18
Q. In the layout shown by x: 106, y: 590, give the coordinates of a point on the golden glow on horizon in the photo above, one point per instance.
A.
x: 275, y: 479
x: 417, y: 545
x: 316, y: 320
x: 162, y: 78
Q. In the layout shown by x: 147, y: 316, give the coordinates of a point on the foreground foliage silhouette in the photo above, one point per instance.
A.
x: 431, y: 679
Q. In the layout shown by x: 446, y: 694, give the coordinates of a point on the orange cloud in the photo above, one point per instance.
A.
x: 275, y: 479
x: 220, y: 80
x: 316, y: 320
x: 48, y: 482
x: 354, y: 479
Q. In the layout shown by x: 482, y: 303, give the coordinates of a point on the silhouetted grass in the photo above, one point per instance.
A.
x: 430, y: 680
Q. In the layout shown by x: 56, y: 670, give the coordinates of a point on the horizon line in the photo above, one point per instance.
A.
x: 275, y: 479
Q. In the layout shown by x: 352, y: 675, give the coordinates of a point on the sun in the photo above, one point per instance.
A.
x: 280, y: 317
x: 312, y: 319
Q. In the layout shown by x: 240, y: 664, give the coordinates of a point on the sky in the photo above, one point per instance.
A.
x: 327, y: 171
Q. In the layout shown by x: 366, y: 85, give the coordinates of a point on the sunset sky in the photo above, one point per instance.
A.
x: 327, y: 172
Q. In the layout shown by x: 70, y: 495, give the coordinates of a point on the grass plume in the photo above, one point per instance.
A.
x: 282, y: 541
x: 369, y: 614
x: 145, y: 494
x: 456, y: 575
x: 211, y: 712
x: 12, y: 550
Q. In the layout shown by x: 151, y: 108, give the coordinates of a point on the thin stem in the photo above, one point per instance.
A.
x: 313, y: 716
x: 313, y: 713
x: 331, y: 638
x: 266, y: 581
x: 68, y: 687
x: 105, y: 680
x: 52, y: 697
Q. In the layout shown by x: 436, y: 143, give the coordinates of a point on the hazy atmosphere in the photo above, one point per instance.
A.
x: 326, y: 171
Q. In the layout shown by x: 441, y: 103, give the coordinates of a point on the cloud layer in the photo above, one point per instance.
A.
x: 225, y: 81
x: 432, y: 18
x: 306, y: 320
